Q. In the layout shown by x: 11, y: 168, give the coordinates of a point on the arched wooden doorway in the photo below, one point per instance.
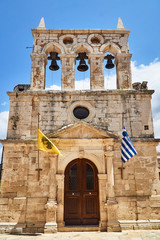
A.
x: 81, y: 195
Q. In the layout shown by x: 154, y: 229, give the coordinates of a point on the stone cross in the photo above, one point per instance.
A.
x: 121, y: 168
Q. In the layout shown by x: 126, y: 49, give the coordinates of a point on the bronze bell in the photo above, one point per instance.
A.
x: 109, y: 64
x: 54, y: 66
x: 53, y: 56
x: 82, y: 67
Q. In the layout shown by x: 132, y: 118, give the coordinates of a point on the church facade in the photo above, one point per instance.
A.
x: 88, y: 188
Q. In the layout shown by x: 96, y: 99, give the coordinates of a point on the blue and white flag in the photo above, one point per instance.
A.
x: 127, y: 148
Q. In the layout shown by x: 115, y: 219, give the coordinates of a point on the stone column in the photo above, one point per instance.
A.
x: 102, y: 179
x: 111, y: 204
x: 110, y: 177
x: 96, y: 71
x: 60, y: 200
x: 67, y: 72
x: 38, y: 71
x: 51, y: 206
x: 123, y: 68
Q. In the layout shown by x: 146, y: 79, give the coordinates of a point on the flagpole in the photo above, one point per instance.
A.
x: 38, y: 150
x: 38, y: 169
x: 122, y: 161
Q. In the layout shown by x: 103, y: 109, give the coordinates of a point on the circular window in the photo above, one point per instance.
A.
x: 95, y: 40
x: 81, y: 112
x: 68, y: 41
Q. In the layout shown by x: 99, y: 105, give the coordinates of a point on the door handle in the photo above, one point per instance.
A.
x: 72, y: 193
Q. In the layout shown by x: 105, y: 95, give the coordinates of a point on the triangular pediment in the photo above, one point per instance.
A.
x: 81, y: 130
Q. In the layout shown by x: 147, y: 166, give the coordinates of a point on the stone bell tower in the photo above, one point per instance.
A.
x: 68, y: 43
x: 88, y: 188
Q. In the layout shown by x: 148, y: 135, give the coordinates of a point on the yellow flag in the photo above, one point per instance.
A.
x: 46, y: 145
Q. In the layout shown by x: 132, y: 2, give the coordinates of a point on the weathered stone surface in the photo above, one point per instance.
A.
x: 32, y: 189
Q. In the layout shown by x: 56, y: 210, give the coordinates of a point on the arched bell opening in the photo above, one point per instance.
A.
x: 82, y: 78
x: 53, y: 71
x: 53, y: 68
x: 110, y: 74
x: 109, y: 71
x: 82, y: 71
x: 81, y: 193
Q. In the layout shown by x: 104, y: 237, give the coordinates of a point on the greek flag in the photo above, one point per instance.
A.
x: 127, y: 148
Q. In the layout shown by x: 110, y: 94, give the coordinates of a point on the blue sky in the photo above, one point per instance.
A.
x: 19, y: 16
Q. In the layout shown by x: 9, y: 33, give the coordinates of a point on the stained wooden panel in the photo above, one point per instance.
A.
x: 81, y: 193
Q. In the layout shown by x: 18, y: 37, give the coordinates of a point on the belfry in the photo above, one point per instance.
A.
x: 89, y: 188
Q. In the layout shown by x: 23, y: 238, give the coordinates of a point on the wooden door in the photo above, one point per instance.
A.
x: 81, y: 196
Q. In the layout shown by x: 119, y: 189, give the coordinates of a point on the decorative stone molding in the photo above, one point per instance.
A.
x: 71, y: 39
x: 110, y: 47
x: 82, y: 47
x: 53, y: 47
x: 95, y: 36
x: 71, y: 156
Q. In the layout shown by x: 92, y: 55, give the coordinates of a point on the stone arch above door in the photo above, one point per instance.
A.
x: 93, y: 158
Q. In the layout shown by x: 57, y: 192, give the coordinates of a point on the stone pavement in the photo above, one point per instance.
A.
x: 126, y: 235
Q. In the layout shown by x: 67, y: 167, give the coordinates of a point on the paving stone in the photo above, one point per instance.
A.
x: 127, y: 235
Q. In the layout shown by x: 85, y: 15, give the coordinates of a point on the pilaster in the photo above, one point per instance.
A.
x: 67, y: 72
x: 111, y: 204
x: 51, y: 206
x: 38, y: 71
x: 123, y: 64
x: 60, y: 199
x: 102, y: 178
x: 96, y: 71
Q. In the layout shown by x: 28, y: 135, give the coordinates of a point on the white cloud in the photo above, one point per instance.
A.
x: 150, y: 73
x: 0, y: 153
x: 4, y: 103
x: 3, y: 124
x: 54, y: 87
x: 110, y: 81
x: 82, y: 84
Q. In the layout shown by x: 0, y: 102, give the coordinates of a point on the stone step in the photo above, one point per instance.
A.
x: 86, y: 228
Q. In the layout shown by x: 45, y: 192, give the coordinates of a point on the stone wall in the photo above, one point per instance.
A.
x: 137, y: 193
x: 24, y: 199
x: 108, y: 109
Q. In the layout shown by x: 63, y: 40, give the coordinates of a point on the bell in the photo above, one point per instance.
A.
x: 109, y: 64
x: 54, y: 66
x: 53, y: 56
x: 82, y: 67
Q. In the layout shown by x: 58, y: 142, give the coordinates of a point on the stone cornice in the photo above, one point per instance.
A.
x: 32, y: 141
x: 20, y: 141
x: 80, y: 31
x: 142, y: 140
x: 82, y: 92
